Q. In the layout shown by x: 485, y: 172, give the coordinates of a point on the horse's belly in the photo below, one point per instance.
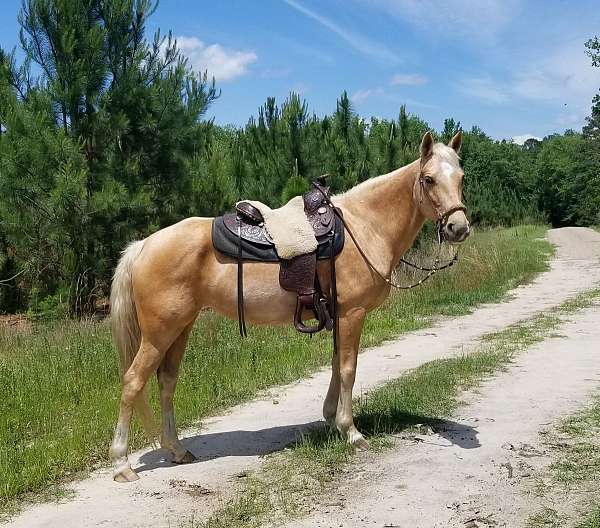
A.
x: 265, y: 302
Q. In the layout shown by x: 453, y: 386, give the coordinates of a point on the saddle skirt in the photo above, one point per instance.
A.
x: 307, y: 228
x: 258, y: 244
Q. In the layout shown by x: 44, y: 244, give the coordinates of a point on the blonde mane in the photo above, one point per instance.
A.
x: 370, y: 184
x: 444, y: 152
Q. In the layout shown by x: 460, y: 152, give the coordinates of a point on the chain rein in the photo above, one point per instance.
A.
x: 440, y: 236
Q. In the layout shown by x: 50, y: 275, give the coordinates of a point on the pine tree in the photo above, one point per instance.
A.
x: 96, y: 151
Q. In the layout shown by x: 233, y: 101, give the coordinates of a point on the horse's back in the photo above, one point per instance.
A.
x: 172, y: 246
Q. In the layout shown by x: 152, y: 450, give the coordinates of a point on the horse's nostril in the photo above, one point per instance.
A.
x: 450, y: 227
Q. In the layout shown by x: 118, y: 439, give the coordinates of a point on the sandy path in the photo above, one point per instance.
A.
x: 479, y: 470
x: 165, y: 494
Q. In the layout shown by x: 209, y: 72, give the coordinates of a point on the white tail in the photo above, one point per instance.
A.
x: 126, y: 329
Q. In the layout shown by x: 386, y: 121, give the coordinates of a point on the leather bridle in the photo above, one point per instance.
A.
x: 442, y: 217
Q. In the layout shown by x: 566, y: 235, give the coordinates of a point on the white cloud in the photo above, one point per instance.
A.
x: 565, y: 75
x: 572, y: 119
x: 520, y: 139
x: 481, y: 19
x: 357, y: 41
x: 409, y: 79
x: 563, y: 80
x: 361, y: 96
x: 221, y: 63
x: 485, y: 89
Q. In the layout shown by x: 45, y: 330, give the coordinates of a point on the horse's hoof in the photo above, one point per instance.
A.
x: 186, y: 459
x: 360, y: 444
x: 125, y: 475
x: 357, y: 440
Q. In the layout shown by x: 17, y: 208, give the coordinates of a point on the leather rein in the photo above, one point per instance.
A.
x: 442, y: 218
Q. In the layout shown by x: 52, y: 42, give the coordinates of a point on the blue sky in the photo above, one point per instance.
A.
x: 512, y: 67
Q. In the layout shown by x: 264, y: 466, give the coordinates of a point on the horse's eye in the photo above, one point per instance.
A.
x: 428, y: 180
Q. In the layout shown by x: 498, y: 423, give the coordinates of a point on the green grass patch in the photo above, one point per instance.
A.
x: 424, y: 396
x: 592, y: 519
x: 577, y: 468
x: 576, y: 472
x: 545, y: 518
x: 61, y: 385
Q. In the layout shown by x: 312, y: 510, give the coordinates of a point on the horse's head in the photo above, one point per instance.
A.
x: 438, y: 187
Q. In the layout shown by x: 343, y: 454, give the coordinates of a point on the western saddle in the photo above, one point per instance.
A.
x: 242, y: 235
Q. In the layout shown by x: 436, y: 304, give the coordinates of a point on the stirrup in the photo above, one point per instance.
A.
x: 322, y: 313
x: 307, y: 301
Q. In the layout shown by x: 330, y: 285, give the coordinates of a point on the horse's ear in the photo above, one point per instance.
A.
x: 456, y: 142
x: 426, y: 146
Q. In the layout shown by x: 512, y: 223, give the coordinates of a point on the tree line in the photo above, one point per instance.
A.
x: 104, y: 139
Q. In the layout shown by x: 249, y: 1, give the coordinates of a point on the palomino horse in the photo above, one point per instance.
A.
x: 161, y: 284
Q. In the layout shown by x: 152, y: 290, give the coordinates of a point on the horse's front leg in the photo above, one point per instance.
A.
x: 350, y: 329
x: 330, y: 404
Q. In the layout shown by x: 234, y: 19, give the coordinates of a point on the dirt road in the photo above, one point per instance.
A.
x: 167, y: 495
x: 480, y: 471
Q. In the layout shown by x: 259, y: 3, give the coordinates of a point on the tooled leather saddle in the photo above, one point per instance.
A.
x: 242, y: 235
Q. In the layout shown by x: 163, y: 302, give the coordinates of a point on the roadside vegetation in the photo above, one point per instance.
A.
x: 571, y: 485
x: 61, y: 386
x: 104, y: 138
x: 289, y: 482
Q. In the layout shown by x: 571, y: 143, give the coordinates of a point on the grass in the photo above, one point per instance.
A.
x: 592, y: 520
x: 575, y: 474
x: 61, y: 385
x: 546, y: 517
x: 290, y: 481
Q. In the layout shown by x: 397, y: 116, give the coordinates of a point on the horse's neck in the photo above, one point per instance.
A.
x: 385, y: 206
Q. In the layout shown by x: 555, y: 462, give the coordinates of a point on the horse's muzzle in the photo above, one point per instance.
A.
x: 456, y: 229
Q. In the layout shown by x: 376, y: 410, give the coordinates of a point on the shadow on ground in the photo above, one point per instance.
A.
x: 270, y: 440
x: 377, y: 424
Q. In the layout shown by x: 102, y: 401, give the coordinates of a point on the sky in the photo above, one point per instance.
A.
x: 515, y: 68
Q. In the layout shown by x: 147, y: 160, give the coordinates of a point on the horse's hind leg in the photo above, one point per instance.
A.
x: 167, y: 380
x: 144, y: 365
